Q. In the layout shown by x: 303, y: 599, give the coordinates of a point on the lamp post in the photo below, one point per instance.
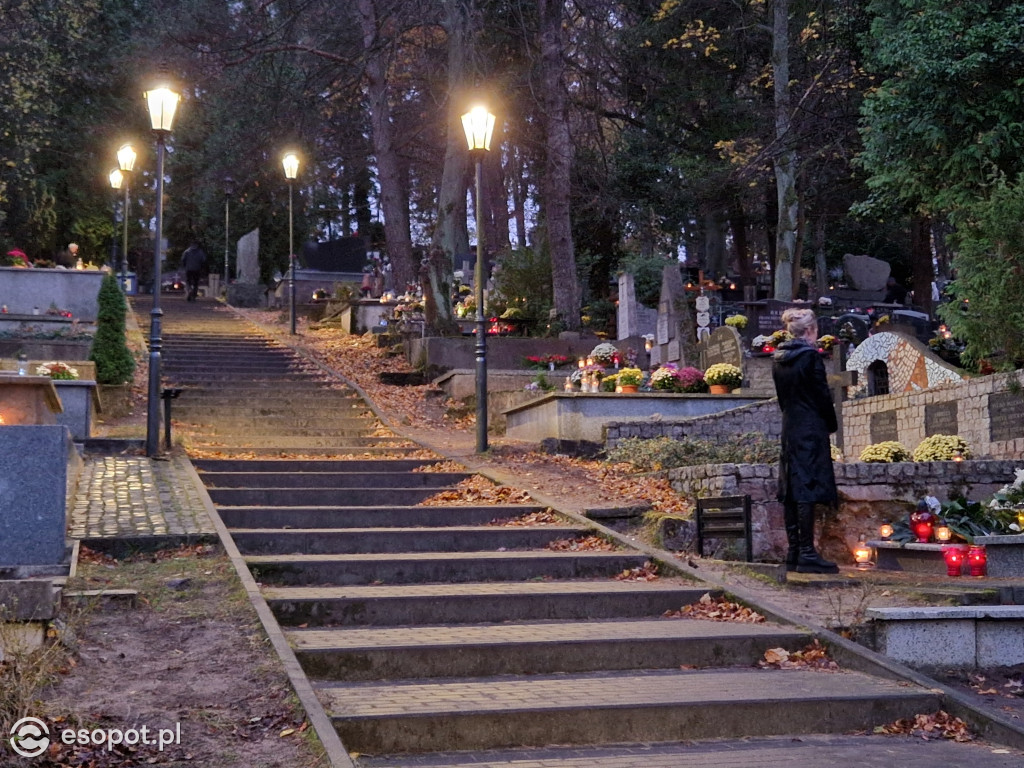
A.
x: 126, y: 157
x: 162, y: 102
x: 117, y: 180
x: 291, y: 170
x: 229, y: 190
x: 478, y: 124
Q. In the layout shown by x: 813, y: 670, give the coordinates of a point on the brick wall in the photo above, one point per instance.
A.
x: 869, y: 494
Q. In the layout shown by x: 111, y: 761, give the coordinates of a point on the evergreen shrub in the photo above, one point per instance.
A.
x: 114, y: 361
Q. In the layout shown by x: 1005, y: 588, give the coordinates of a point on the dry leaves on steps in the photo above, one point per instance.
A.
x: 543, y: 517
x: 716, y: 609
x: 648, y: 572
x: 582, y: 544
x: 812, y: 656
x: 476, y: 490
x: 940, y: 725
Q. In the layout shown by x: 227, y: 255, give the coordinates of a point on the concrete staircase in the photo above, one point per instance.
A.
x: 245, y: 393
x: 436, y: 638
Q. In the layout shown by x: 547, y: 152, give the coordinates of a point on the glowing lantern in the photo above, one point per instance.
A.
x: 954, y: 557
x: 942, y: 533
x: 885, y: 530
x: 978, y: 561
x: 862, y: 554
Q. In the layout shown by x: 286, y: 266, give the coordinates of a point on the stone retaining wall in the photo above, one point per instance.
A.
x: 869, y: 494
x: 764, y: 417
x: 987, y: 412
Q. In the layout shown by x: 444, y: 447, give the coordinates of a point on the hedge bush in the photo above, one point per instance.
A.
x: 114, y: 361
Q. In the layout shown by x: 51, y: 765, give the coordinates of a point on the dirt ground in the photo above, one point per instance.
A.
x: 189, y: 654
x: 194, y: 654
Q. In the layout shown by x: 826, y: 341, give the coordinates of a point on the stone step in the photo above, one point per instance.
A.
x: 601, y: 708
x: 313, y: 541
x: 439, y: 567
x: 285, y: 466
x: 313, y: 480
x: 309, y: 497
x: 240, y: 400
x: 336, y: 451
x: 414, y: 604
x: 486, y: 650
x: 268, y: 378
x: 360, y: 428
x: 280, y: 412
x: 291, y: 444
x: 258, y: 516
x: 807, y: 751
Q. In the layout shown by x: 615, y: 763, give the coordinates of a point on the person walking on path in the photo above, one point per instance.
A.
x: 193, y: 261
x: 806, y: 477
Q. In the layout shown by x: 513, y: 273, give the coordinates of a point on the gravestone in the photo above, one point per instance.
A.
x: 866, y: 273
x: 672, y: 291
x: 626, y: 315
x: 249, y: 257
x: 703, y: 304
x: 1005, y: 416
x: 722, y: 346
x: 940, y: 419
x: 883, y: 427
x: 769, y: 315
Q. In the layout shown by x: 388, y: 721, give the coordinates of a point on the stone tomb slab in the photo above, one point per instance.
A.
x: 35, y: 480
x: 940, y: 419
x: 28, y: 400
x: 883, y: 427
x: 1005, y: 416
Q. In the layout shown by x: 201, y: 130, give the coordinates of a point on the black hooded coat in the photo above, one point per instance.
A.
x: 808, y: 417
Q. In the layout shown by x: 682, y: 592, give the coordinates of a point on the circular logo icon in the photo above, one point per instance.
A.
x: 30, y: 737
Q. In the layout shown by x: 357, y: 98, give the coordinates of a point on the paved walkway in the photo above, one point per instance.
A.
x: 134, y: 496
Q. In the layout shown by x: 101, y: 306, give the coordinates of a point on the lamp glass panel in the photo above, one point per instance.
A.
x: 126, y: 158
x: 478, y: 124
x: 291, y: 165
x: 116, y: 178
x: 162, y: 104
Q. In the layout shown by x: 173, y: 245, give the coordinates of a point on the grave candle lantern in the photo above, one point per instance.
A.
x: 862, y: 554
x: 943, y: 533
x: 885, y: 530
x: 978, y: 561
x: 954, y: 557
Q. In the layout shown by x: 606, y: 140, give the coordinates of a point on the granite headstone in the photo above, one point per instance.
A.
x: 33, y: 494
x: 722, y: 346
x: 249, y: 257
x: 865, y: 272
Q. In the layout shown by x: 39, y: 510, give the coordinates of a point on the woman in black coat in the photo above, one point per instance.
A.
x: 808, y: 417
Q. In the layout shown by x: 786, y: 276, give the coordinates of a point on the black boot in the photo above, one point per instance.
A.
x: 792, y: 534
x: 808, y: 560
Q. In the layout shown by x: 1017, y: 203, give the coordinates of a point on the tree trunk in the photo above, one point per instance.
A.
x: 820, y: 267
x: 450, y: 236
x: 389, y: 167
x: 785, y: 158
x: 921, y: 262
x: 558, y: 165
x: 519, y: 195
x: 714, y: 244
x: 738, y: 227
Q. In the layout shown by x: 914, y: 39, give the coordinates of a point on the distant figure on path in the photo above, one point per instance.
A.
x: 806, y: 476
x: 192, y: 261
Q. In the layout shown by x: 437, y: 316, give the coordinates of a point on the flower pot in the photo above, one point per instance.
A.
x: 720, y: 389
x: 630, y: 389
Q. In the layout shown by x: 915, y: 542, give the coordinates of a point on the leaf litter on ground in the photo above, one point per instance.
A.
x: 711, y: 608
x: 476, y: 490
x: 940, y: 725
x: 811, y: 656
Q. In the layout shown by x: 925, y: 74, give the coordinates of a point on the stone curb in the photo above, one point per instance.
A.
x: 329, y: 739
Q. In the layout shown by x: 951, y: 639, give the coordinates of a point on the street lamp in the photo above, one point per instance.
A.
x: 162, y: 102
x: 116, y: 182
x: 126, y: 157
x: 229, y: 190
x: 291, y: 170
x: 478, y: 124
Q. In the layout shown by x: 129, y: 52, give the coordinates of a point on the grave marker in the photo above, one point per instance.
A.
x: 883, y: 427
x: 723, y: 345
x: 1005, y: 416
x: 940, y: 419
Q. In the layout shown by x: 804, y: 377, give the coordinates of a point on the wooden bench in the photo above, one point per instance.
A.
x: 724, y: 517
